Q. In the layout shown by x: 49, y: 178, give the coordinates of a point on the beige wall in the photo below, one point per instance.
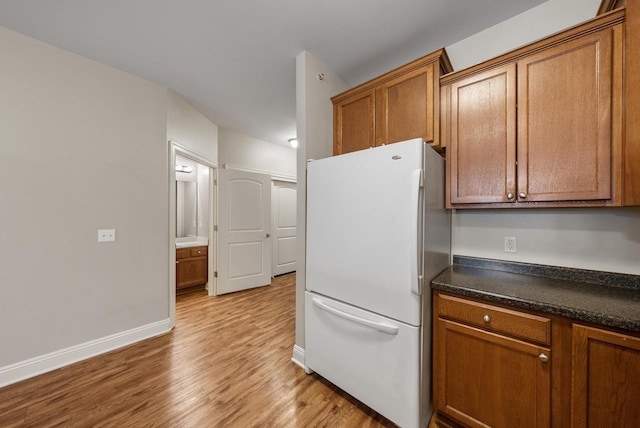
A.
x: 241, y: 151
x: 82, y: 147
x: 190, y: 128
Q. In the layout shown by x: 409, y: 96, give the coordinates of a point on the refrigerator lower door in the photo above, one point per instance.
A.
x: 373, y: 358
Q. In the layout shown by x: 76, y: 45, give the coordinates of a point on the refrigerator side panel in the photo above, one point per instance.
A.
x: 436, y: 250
x: 362, y: 213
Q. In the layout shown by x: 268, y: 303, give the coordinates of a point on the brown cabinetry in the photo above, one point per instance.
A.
x: 540, y: 126
x: 497, y: 366
x: 606, y: 378
x: 397, y: 106
x: 492, y: 366
x: 191, y: 267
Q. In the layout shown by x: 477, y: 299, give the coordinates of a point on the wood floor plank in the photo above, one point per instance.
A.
x: 226, y: 364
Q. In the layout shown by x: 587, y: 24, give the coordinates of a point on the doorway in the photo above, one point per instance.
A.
x: 192, y: 203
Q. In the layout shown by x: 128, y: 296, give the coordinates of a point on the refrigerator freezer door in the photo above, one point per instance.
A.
x: 377, y: 366
x: 364, y: 227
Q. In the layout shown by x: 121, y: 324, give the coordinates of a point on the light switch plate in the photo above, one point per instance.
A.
x: 106, y: 235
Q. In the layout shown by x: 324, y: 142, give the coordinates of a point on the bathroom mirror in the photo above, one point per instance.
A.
x: 186, y: 209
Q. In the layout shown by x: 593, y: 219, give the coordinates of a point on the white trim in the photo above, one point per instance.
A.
x: 298, y: 358
x: 44, y: 363
x: 274, y: 175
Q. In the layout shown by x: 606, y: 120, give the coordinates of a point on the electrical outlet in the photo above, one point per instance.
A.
x: 106, y: 235
x: 510, y: 244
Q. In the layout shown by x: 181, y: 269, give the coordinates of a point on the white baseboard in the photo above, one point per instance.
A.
x: 44, y: 363
x: 298, y: 358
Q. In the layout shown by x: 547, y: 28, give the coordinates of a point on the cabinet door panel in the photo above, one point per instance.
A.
x: 564, y: 121
x: 484, y: 379
x: 354, y: 123
x: 191, y: 271
x: 483, y: 132
x: 407, y: 107
x: 606, y: 379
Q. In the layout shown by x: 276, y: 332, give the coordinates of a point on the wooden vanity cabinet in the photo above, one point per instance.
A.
x: 606, y: 378
x: 397, y: 106
x: 540, y: 126
x: 191, y: 267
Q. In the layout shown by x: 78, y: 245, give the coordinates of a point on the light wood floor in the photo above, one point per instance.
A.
x: 226, y: 364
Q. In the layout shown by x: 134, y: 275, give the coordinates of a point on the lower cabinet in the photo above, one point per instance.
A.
x: 191, y: 267
x: 606, y: 378
x: 497, y: 366
x: 492, y: 366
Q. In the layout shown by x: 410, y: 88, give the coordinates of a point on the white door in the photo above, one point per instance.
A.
x: 244, y: 243
x: 283, y: 218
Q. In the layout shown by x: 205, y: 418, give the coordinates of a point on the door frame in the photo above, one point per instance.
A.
x: 176, y: 148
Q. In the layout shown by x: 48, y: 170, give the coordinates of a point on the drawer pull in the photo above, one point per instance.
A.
x: 486, y: 318
x: 543, y: 358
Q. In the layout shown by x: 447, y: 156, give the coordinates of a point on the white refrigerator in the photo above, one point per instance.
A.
x: 377, y: 234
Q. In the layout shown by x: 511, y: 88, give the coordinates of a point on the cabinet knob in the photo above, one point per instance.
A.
x: 510, y: 196
x: 267, y: 235
x: 486, y: 318
x: 522, y: 195
x: 543, y: 358
x: 177, y: 262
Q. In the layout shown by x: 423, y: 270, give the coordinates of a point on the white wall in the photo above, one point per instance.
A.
x: 82, y: 147
x: 241, y: 151
x: 314, y: 116
x: 190, y: 128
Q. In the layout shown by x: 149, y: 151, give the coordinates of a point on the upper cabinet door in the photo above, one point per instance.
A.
x: 400, y: 105
x: 405, y: 110
x: 354, y: 122
x: 564, y: 121
x: 481, y: 154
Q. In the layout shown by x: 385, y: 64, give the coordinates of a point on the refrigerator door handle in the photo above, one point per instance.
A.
x: 376, y: 325
x: 416, y: 183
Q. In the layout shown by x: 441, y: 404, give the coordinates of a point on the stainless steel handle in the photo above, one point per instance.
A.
x: 486, y: 318
x: 522, y: 195
x: 510, y: 196
x: 543, y: 358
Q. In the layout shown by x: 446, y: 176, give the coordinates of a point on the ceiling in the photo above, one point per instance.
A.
x: 234, y: 60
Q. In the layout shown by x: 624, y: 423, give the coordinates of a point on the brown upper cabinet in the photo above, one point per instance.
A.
x: 540, y: 126
x: 397, y: 106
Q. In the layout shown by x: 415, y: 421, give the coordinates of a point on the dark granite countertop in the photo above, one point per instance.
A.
x: 605, y: 298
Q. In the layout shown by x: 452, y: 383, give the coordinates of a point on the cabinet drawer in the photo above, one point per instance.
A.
x: 516, y: 324
x: 198, y: 251
x: 182, y: 253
